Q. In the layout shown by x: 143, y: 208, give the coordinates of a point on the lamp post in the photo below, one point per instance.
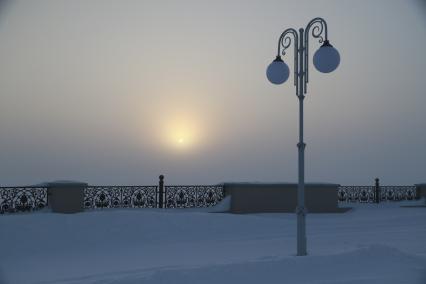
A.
x: 326, y: 59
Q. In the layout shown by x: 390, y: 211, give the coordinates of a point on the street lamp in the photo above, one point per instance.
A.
x: 326, y: 59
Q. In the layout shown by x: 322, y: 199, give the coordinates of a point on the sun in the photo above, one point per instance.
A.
x: 182, y: 132
x: 182, y: 140
x: 181, y: 136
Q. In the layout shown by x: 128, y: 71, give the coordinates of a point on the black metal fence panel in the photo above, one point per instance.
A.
x: 367, y: 194
x: 21, y: 199
x: 184, y: 196
x: 120, y: 197
x: 397, y: 193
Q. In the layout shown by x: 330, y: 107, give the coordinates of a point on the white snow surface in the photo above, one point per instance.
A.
x: 369, y: 244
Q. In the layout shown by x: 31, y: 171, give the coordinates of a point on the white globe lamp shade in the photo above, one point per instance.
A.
x: 326, y: 58
x: 277, y: 71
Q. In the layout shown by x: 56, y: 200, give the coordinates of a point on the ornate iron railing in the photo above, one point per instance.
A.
x: 184, y: 196
x: 120, y: 197
x: 20, y: 199
x: 367, y: 194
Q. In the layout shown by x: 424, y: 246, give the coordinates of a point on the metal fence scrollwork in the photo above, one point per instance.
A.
x: 120, y: 197
x: 149, y: 196
x: 396, y: 193
x: 18, y: 199
x: 367, y: 194
x: 193, y: 196
x: 356, y: 193
x: 21, y: 199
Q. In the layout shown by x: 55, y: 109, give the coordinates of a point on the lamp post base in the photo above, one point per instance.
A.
x: 301, y: 231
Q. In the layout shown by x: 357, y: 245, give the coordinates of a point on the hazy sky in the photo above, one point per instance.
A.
x: 118, y: 92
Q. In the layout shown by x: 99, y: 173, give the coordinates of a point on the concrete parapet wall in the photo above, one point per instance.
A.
x: 421, y: 191
x: 66, y: 197
x: 281, y: 197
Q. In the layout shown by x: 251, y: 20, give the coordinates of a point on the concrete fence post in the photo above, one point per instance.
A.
x: 377, y: 190
x: 160, y: 191
x: 66, y: 196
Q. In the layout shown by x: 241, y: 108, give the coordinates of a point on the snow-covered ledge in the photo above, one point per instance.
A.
x: 281, y: 197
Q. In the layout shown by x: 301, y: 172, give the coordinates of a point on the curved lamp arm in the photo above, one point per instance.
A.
x: 284, y: 42
x: 319, y: 27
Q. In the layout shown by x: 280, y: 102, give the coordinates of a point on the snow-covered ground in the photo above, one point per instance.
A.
x: 370, y: 244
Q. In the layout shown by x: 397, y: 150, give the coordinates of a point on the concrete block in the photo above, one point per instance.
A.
x: 66, y: 196
x: 281, y: 197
